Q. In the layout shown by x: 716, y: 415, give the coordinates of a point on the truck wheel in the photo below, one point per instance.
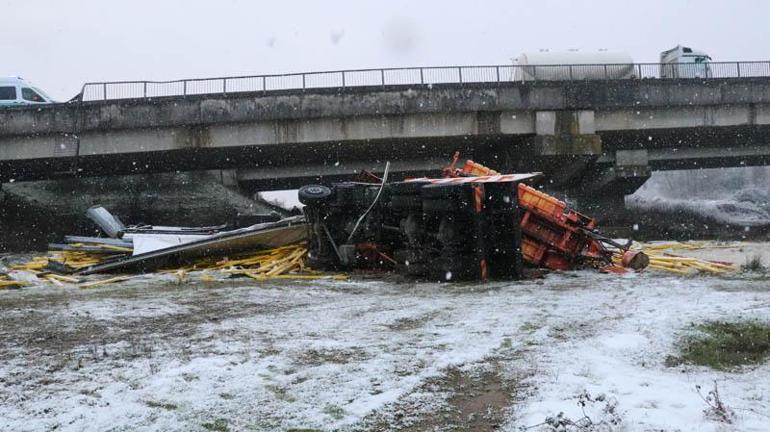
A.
x: 405, y: 202
x: 412, y: 269
x: 446, y: 191
x: 443, y: 205
x: 313, y: 194
x: 414, y: 256
x: 453, y: 268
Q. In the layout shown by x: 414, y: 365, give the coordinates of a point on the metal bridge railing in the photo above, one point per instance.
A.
x: 421, y: 76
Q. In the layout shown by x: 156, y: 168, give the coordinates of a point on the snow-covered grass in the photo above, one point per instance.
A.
x: 625, y: 359
x: 149, y: 355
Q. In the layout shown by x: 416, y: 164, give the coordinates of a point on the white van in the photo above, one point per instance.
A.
x: 684, y: 62
x: 15, y: 91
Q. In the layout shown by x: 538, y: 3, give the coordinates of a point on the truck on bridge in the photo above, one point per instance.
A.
x: 684, y: 62
x: 677, y: 62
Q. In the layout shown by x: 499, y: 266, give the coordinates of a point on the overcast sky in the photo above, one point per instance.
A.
x: 60, y: 44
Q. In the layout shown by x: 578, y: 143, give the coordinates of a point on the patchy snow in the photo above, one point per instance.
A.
x: 148, y: 355
x: 736, y: 210
x: 123, y: 308
x: 625, y: 359
x: 735, y: 196
x: 286, y: 199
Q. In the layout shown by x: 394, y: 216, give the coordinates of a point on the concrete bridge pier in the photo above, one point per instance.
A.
x: 602, y: 191
x: 630, y: 171
x: 564, y: 147
x: 609, y: 208
x: 567, y: 149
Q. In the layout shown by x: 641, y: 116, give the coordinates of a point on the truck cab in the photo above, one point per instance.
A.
x: 684, y: 62
x: 14, y: 91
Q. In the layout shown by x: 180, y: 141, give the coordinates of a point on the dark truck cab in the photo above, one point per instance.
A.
x: 473, y: 223
x: 435, y: 229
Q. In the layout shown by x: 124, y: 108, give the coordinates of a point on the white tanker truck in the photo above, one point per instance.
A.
x: 678, y: 62
x: 684, y: 62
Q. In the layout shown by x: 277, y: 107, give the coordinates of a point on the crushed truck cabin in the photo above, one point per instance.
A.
x: 473, y: 223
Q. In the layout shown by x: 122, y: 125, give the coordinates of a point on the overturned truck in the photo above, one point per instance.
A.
x: 471, y: 224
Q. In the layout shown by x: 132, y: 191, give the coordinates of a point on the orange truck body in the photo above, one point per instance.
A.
x: 553, y: 235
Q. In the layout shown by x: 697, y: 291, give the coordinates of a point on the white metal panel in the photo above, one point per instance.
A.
x: 569, y: 65
x: 574, y: 58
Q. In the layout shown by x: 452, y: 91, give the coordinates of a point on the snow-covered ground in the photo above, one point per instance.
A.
x: 368, y: 355
x: 287, y: 199
x: 734, y: 196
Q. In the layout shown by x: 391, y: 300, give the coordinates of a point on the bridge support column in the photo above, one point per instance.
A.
x: 602, y: 193
x: 229, y: 178
x: 565, y: 145
x: 628, y: 174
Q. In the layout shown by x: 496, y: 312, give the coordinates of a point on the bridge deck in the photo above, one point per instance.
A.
x: 292, y: 134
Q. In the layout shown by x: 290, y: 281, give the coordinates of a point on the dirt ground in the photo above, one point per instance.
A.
x: 367, y: 355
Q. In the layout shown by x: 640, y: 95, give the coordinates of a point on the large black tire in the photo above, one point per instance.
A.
x: 412, y: 262
x: 412, y: 269
x: 411, y: 255
x: 433, y: 206
x: 454, y: 268
x: 446, y: 191
x: 405, y: 203
x: 313, y: 194
x: 446, y: 198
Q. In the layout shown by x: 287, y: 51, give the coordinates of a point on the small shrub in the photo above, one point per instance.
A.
x: 334, y: 411
x: 218, y: 425
x: 600, y: 413
x: 716, y: 409
x: 158, y: 404
x: 507, y: 343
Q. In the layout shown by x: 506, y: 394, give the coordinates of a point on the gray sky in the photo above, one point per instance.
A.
x: 60, y: 44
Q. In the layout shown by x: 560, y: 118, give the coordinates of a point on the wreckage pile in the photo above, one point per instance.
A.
x: 274, y: 250
x: 7, y: 282
x: 664, y: 259
x: 286, y: 262
x: 473, y: 223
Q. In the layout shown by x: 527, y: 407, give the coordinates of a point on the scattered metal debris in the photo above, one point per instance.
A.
x: 472, y: 224
x: 262, y: 251
x: 662, y: 258
x: 263, y: 236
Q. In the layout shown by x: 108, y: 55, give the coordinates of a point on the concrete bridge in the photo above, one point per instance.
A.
x: 597, y: 137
